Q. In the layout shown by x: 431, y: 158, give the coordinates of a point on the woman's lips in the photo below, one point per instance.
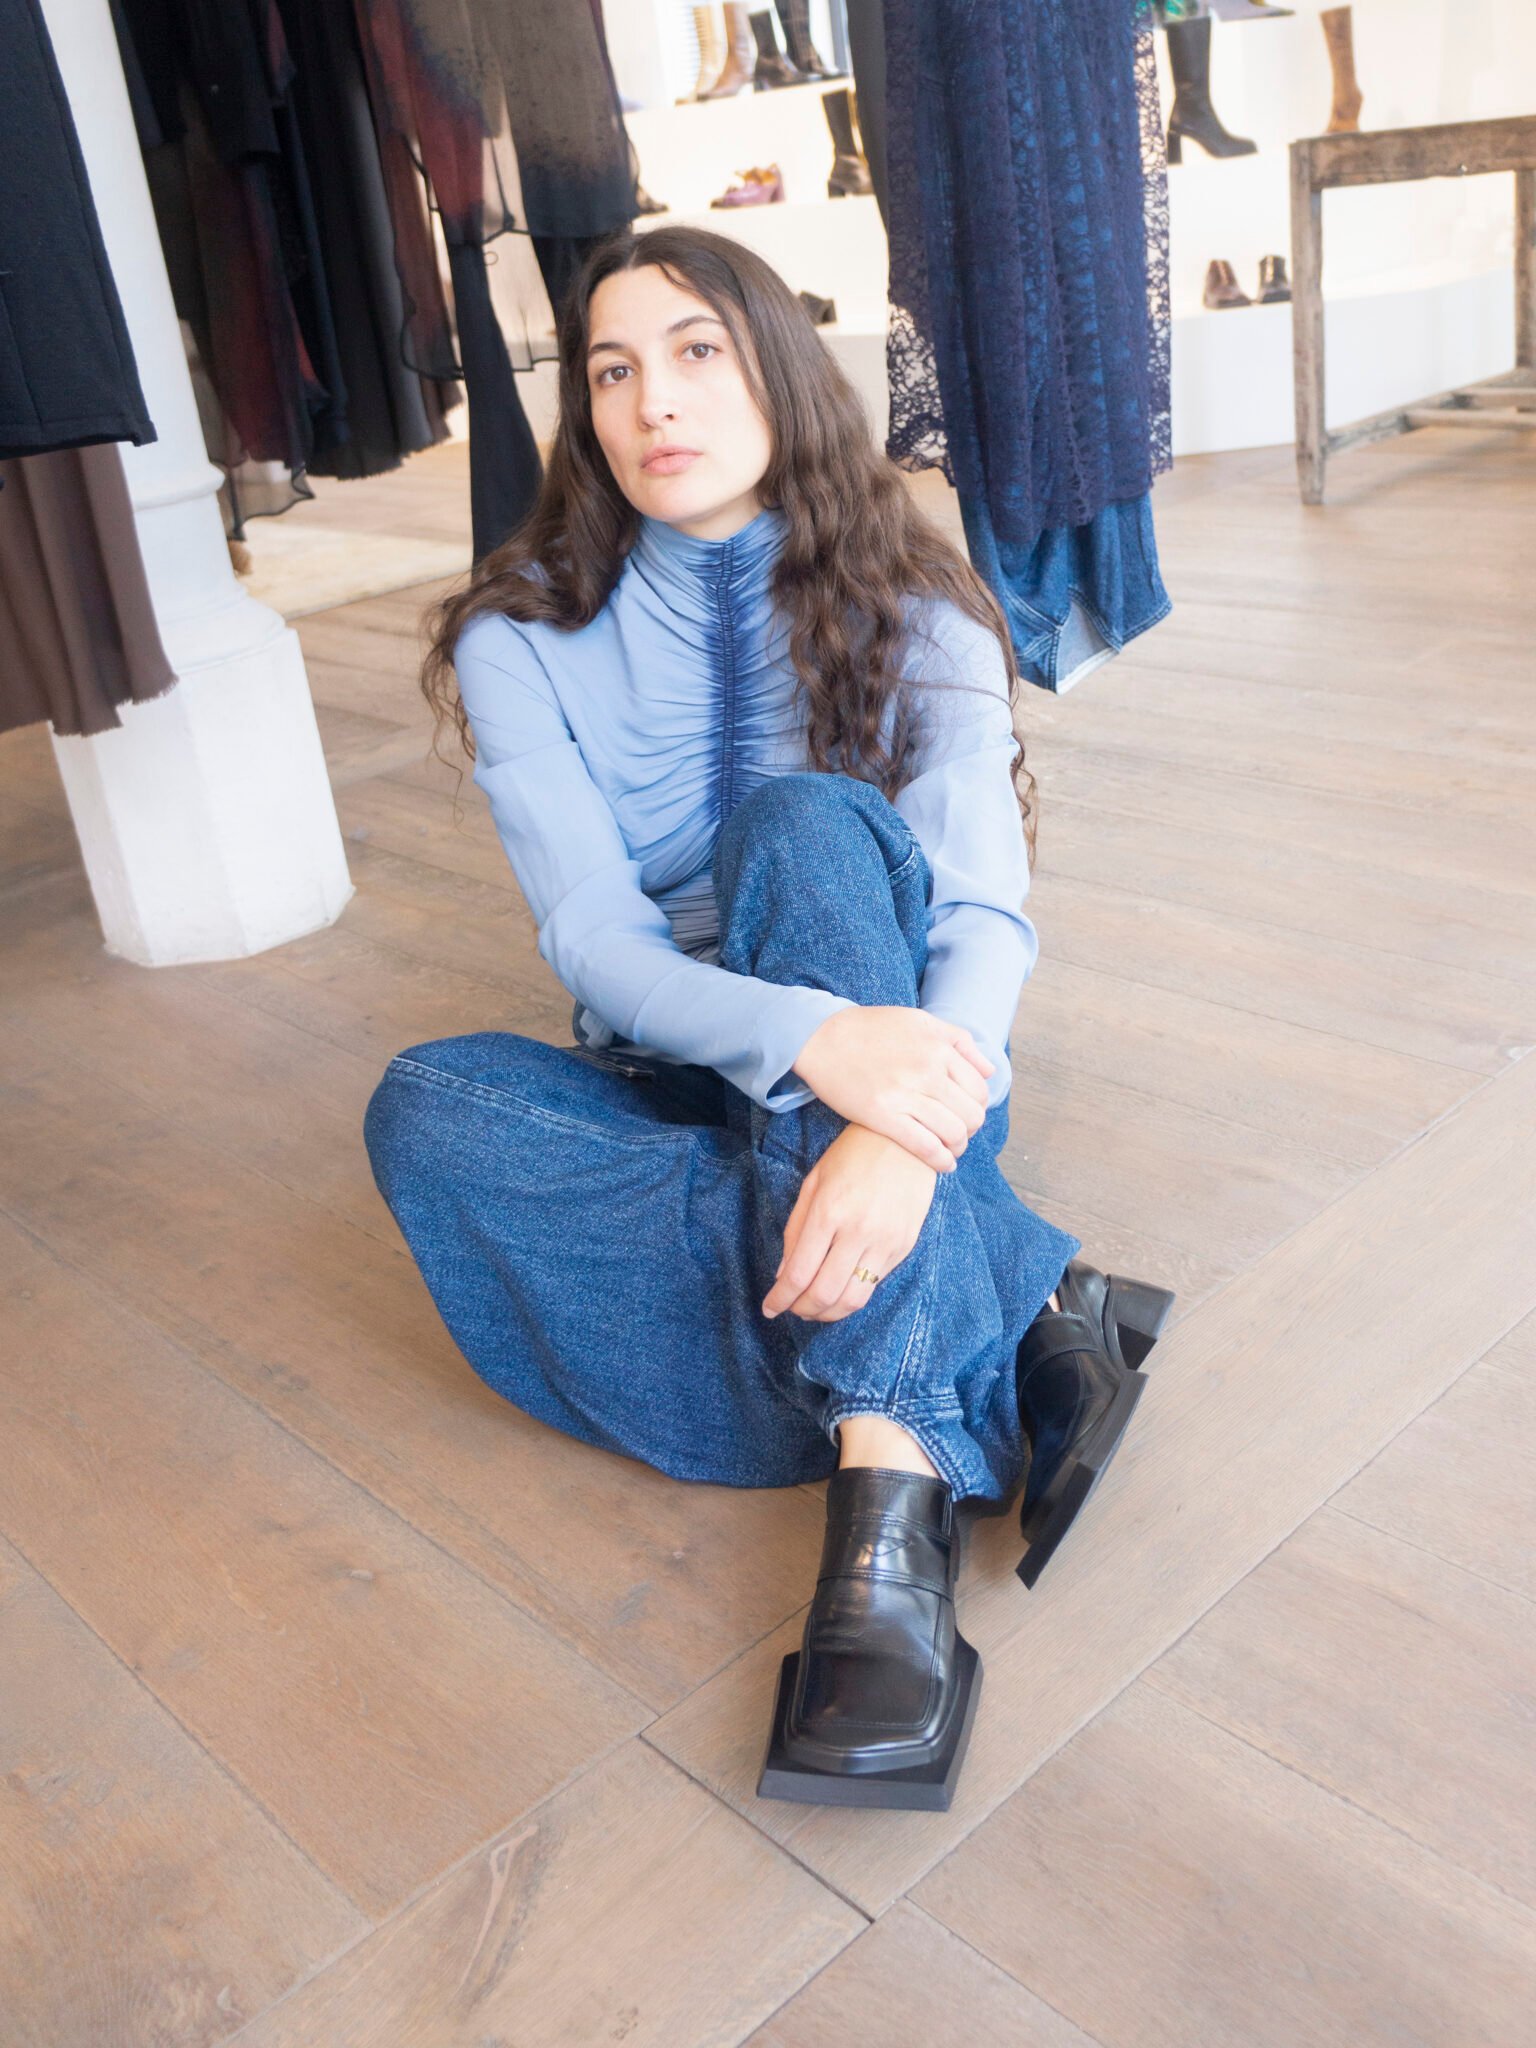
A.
x: 669, y: 465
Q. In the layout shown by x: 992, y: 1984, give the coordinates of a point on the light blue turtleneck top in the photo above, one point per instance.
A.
x: 612, y: 755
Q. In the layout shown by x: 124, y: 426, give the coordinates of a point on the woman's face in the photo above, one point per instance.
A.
x: 663, y: 373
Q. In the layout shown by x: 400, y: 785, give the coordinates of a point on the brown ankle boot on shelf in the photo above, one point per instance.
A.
x: 1274, y: 285
x: 1222, y: 288
x: 773, y: 69
x: 740, y: 52
x: 1339, y: 33
x: 850, y: 170
x: 711, y: 43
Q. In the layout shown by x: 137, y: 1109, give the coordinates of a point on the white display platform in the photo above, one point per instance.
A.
x: 1416, y: 278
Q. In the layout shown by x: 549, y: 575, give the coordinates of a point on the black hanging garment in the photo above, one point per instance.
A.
x: 367, y: 233
x: 512, y: 114
x: 67, y: 373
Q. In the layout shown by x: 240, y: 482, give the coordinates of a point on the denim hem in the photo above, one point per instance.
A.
x: 1118, y: 641
x: 934, y: 1429
x: 1042, y: 650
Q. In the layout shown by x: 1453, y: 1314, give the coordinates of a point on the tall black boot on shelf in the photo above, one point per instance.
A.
x: 850, y: 171
x: 1189, y: 55
x: 773, y: 68
x: 803, y: 54
x: 876, y: 1706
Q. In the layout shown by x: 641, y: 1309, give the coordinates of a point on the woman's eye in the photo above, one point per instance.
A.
x: 711, y: 349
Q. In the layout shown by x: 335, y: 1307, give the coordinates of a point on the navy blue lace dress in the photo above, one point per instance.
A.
x: 1028, y: 346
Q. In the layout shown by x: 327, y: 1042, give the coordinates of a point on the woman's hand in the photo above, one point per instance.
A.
x: 862, y: 1204
x: 901, y: 1072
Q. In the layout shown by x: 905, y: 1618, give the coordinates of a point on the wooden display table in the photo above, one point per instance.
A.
x: 1456, y: 149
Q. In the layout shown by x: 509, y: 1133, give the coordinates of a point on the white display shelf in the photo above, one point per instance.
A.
x: 689, y: 154
x: 833, y: 247
x: 1388, y: 343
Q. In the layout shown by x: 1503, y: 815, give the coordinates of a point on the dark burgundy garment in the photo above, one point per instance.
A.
x: 67, y: 372
x: 230, y: 184
x: 76, y: 621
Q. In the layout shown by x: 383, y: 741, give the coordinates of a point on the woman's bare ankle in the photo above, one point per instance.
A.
x: 876, y: 1440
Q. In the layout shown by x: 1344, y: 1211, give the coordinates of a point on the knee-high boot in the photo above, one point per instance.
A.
x: 1189, y: 54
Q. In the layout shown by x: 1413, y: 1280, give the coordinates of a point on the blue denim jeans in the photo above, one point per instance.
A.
x: 598, y: 1229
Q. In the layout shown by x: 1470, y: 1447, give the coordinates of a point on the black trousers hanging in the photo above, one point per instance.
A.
x: 866, y: 49
x: 505, y: 468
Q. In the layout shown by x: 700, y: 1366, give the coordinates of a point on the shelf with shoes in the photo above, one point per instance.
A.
x: 1417, y: 275
x: 832, y: 248
x: 693, y: 155
x: 764, y: 48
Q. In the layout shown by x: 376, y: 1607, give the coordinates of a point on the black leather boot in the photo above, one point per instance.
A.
x: 875, y: 1707
x: 773, y: 68
x: 1078, y: 1379
x: 803, y: 54
x: 850, y: 168
x: 1079, y: 1382
x: 1189, y: 56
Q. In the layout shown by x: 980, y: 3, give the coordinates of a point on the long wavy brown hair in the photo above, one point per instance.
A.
x: 856, y: 548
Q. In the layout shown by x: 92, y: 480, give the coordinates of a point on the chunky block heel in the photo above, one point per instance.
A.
x: 1045, y: 1524
x: 1138, y: 1312
x: 1078, y: 1377
x: 1175, y: 147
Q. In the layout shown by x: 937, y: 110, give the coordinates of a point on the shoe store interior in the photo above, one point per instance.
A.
x: 355, y: 1693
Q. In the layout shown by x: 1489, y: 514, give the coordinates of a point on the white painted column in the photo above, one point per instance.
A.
x: 206, y: 820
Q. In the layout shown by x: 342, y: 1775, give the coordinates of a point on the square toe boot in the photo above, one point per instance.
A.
x: 1079, y: 1380
x: 876, y: 1706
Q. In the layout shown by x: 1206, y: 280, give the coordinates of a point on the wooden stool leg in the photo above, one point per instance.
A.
x: 1307, y: 324
x: 1525, y: 269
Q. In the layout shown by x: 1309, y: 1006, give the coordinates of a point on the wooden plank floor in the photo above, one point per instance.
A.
x: 346, y: 1705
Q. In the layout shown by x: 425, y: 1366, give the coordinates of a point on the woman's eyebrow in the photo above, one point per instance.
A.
x: 688, y: 320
